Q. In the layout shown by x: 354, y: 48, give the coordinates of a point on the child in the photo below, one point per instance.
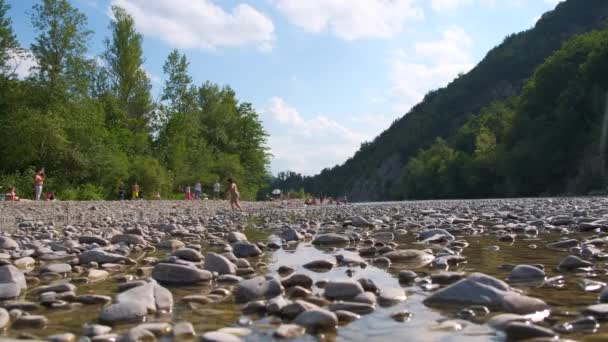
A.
x: 11, y: 195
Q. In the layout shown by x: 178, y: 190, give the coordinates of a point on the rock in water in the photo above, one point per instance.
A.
x: 315, y: 320
x: 343, y: 290
x: 245, y: 249
x: 526, y: 273
x: 257, y: 288
x: 480, y: 289
x: 12, y: 282
x: 218, y: 263
x: 331, y: 239
x: 180, y: 274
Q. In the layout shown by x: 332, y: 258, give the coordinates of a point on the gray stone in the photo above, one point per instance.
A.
x: 57, y: 268
x: 188, y: 254
x: 8, y: 243
x: 344, y: 290
x: 218, y: 263
x: 517, y: 331
x: 129, y: 239
x: 572, y: 262
x: 479, y: 289
x: 180, y: 274
x: 436, y: 234
x: 103, y: 257
x: 218, y: 336
x: 330, y: 239
x: 290, y: 234
x: 411, y: 257
x: 317, y: 320
x: 245, y: 249
x: 257, y: 288
x: 526, y: 273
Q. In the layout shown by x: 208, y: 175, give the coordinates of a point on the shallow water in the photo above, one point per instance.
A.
x: 566, y: 301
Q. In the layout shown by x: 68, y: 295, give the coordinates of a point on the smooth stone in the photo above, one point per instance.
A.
x: 129, y: 239
x: 245, y: 249
x: 30, y: 322
x: 217, y: 336
x: 93, y: 299
x: 180, y: 274
x: 298, y: 280
x: 102, y: 257
x: 413, y: 257
x: 170, y: 244
x: 391, y: 296
x: 330, y: 239
x: 218, y: 263
x: 289, y: 331
x: 563, y: 244
x: 572, y: 262
x: 96, y: 329
x: 436, y: 234
x: 517, y: 331
x: 8, y: 243
x: 346, y: 316
x: 526, y: 273
x: 4, y: 318
x: 65, y: 337
x: 289, y: 234
x: 316, y: 320
x: 97, y: 275
x: 345, y: 289
x: 257, y: 288
x: 358, y: 308
x: 188, y: 254
x: 321, y: 264
x: 599, y: 311
x: 183, y: 329
x: 481, y: 289
x: 90, y: 239
x: 236, y: 237
x: 407, y: 276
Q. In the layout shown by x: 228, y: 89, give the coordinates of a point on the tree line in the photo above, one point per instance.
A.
x: 93, y: 124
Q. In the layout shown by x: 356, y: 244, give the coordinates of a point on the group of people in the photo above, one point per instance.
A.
x: 328, y: 200
x: 232, y: 193
x: 11, y: 194
x: 198, y: 191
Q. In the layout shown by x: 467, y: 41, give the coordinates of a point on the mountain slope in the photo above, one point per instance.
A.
x: 372, y: 173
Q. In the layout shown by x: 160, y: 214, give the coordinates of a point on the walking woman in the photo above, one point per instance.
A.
x: 233, y: 194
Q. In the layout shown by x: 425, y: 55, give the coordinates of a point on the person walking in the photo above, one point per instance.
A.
x: 135, y: 191
x: 38, y: 182
x: 233, y: 194
x: 216, y: 190
x: 188, y: 193
x: 198, y: 190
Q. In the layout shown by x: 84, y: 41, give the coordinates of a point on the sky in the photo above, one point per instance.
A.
x: 324, y: 75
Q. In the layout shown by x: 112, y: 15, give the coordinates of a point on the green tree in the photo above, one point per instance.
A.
x: 8, y: 41
x: 178, y: 91
x: 59, y: 48
x: 130, y: 83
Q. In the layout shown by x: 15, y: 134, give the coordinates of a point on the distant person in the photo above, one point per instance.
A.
x: 11, y: 195
x: 158, y: 195
x: 50, y: 196
x: 233, y: 194
x: 122, y: 193
x: 198, y: 190
x: 188, y: 192
x: 38, y: 182
x: 216, y: 190
x: 135, y: 191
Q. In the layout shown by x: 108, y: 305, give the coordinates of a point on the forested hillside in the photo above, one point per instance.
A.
x: 525, y: 121
x: 93, y: 123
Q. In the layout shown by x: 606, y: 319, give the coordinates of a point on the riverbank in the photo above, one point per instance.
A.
x: 437, y: 270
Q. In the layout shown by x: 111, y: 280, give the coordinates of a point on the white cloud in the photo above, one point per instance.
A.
x: 351, y: 19
x: 308, y: 145
x: 427, y: 66
x: 448, y: 5
x: 21, y: 63
x: 201, y: 24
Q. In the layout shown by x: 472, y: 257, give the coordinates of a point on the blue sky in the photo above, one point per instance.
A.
x: 325, y: 75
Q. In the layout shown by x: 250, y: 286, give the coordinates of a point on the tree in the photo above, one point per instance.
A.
x: 60, y: 47
x: 130, y: 83
x: 178, y: 89
x: 8, y: 41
